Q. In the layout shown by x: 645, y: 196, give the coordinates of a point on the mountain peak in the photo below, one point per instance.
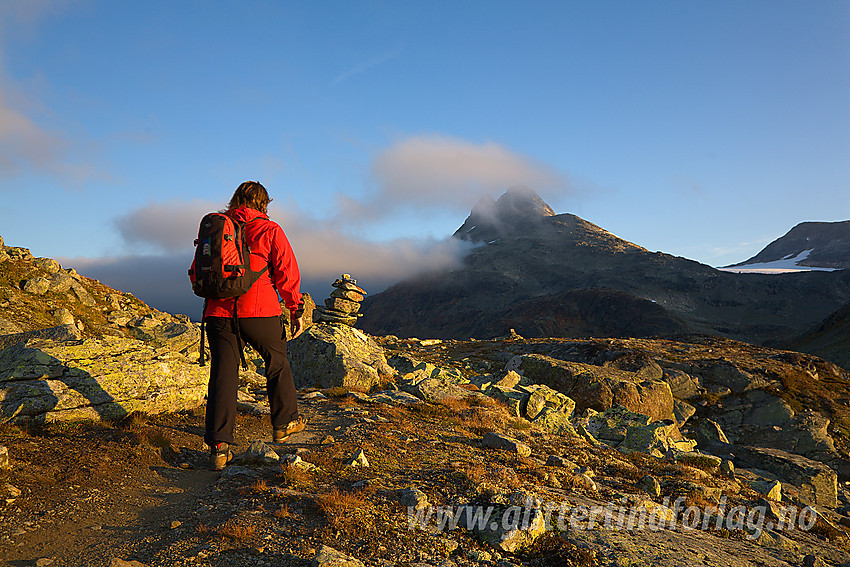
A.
x: 518, y: 207
x: 521, y: 200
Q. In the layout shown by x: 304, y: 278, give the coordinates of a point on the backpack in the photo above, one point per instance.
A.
x: 222, y: 266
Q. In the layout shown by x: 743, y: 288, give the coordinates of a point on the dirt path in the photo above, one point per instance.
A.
x: 91, y: 495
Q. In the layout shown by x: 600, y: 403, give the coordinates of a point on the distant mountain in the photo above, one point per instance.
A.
x: 547, y: 274
x: 809, y: 245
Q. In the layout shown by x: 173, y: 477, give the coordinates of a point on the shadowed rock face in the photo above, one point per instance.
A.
x: 547, y: 274
x: 830, y: 339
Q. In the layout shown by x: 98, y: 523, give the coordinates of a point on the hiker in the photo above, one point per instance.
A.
x: 258, y: 315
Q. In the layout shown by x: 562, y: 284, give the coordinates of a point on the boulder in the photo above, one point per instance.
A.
x: 650, y: 485
x: 328, y: 355
x: 816, y: 482
x: 629, y: 431
x: 804, y: 434
x: 541, y: 397
x: 435, y: 390
x: 38, y: 285
x: 503, y: 442
x: 60, y: 334
x: 554, y: 421
x: 259, y: 451
x: 682, y: 411
x: 655, y: 439
x: 511, y: 529
x: 768, y: 410
x: 709, y: 433
x: 330, y: 557
x: 611, y: 425
x: 637, y: 362
x: 682, y: 385
x: 48, y: 265
x: 599, y: 388
x: 725, y: 374
x: 105, y: 378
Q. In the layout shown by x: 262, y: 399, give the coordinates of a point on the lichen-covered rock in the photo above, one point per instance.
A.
x: 413, y: 371
x: 330, y: 557
x: 38, y: 285
x: 611, y: 425
x: 8, y: 327
x: 804, y: 434
x: 48, y: 265
x: 513, y: 399
x: 540, y: 397
x: 598, y: 388
x: 60, y: 333
x: 328, y: 355
x: 655, y: 439
x: 105, y: 378
x: 512, y: 529
x: 503, y: 442
x: 63, y: 317
x: 436, y: 391
x: 630, y: 431
x: 18, y: 253
x: 554, y: 421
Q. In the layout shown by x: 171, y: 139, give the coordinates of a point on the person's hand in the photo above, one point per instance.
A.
x: 297, y: 327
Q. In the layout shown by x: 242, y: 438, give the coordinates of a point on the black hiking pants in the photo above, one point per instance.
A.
x: 265, y: 334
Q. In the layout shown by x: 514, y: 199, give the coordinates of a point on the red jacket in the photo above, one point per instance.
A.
x: 269, y: 247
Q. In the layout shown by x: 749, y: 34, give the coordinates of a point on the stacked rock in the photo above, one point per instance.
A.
x: 343, y: 304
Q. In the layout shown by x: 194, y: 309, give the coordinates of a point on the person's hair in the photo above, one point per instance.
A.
x: 250, y: 194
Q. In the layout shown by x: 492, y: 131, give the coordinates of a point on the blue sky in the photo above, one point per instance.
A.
x: 700, y: 129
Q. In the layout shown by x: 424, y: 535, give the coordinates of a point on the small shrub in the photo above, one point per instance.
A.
x: 296, y: 478
x: 234, y: 530
x: 157, y: 439
x: 345, y: 511
x: 283, y: 512
x: 258, y: 487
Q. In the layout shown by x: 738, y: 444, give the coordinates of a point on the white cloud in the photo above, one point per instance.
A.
x: 445, y: 172
x: 163, y: 227
x: 160, y: 237
x: 436, y: 172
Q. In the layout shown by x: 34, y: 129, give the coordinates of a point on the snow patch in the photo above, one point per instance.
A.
x: 786, y: 265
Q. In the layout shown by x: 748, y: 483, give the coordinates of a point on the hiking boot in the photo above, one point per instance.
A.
x: 281, y: 434
x: 220, y: 455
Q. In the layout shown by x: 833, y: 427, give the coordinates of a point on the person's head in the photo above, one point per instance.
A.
x: 250, y: 194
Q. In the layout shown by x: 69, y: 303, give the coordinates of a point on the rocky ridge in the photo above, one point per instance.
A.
x: 537, y: 429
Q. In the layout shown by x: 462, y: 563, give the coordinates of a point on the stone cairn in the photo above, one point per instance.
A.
x: 343, y: 304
